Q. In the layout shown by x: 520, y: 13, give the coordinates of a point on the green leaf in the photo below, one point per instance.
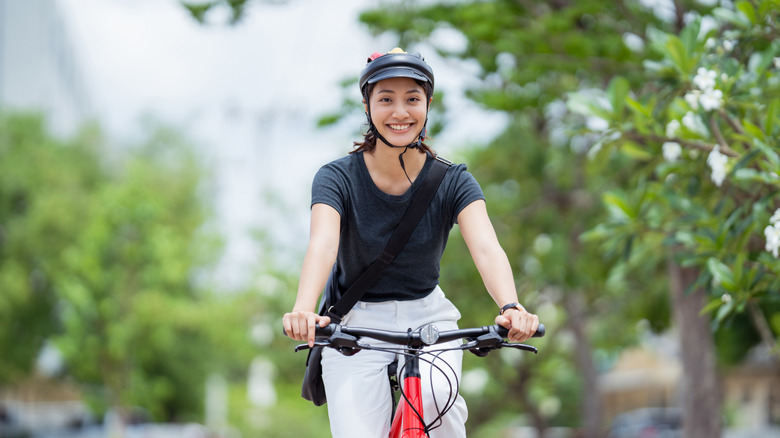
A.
x: 689, y: 38
x: 635, y: 151
x: 754, y: 130
x: 723, y: 312
x: 638, y: 108
x: 722, y: 274
x: 733, y: 17
x: 715, y: 303
x: 772, y: 111
x: 686, y: 238
x: 747, y: 9
x: 618, y: 205
x: 738, y: 266
x: 600, y: 232
x: 760, y: 61
x: 198, y: 10
x: 770, y: 154
x: 585, y: 104
x: 617, y: 91
x: 675, y: 51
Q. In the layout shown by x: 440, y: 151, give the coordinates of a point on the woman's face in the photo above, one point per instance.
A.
x: 398, y: 109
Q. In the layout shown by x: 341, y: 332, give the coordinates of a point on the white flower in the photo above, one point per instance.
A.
x: 692, y: 97
x: 596, y: 124
x: 711, y: 100
x: 772, y: 233
x: 694, y: 123
x: 633, y: 41
x: 729, y: 45
x: 717, y: 163
x: 777, y: 62
x: 726, y: 298
x: 671, y: 151
x: 704, y: 79
x: 775, y: 217
x: 672, y: 128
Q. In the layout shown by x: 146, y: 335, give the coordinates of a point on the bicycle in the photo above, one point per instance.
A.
x: 408, y: 420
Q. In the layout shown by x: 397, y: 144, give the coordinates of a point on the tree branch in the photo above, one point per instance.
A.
x: 725, y: 150
x: 761, y: 324
x: 719, y: 136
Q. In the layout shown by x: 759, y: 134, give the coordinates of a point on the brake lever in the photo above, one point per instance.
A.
x: 302, y: 347
x: 520, y: 347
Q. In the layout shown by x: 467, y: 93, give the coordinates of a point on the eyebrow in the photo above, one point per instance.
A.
x: 411, y: 91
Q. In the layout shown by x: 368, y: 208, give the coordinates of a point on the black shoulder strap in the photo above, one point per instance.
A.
x: 397, y: 241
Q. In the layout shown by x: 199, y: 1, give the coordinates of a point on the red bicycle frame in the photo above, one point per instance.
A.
x: 406, y: 423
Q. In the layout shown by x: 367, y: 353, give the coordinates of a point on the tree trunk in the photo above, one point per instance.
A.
x: 591, y: 410
x: 700, y: 391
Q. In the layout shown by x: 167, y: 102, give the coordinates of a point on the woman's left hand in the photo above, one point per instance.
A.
x: 520, y: 323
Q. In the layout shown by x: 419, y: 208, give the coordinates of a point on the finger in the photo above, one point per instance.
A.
x: 300, y: 326
x: 522, y: 326
x: 534, y: 324
x: 311, y: 321
x: 324, y: 320
x: 286, y: 325
x: 530, y: 325
x: 503, y: 321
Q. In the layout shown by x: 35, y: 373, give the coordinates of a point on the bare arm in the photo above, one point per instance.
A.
x: 317, y: 263
x: 495, y: 270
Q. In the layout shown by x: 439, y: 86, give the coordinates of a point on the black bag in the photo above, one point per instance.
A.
x: 336, y: 305
x: 313, y: 388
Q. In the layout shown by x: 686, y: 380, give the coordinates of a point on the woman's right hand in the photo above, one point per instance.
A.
x: 300, y: 325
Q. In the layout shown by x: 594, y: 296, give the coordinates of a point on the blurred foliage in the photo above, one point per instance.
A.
x: 44, y: 184
x: 701, y: 136
x: 106, y: 253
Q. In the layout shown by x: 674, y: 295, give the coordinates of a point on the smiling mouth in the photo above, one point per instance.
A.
x: 399, y: 127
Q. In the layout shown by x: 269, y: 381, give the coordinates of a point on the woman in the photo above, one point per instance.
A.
x: 357, y: 201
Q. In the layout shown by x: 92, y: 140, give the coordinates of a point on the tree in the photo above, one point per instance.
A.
x: 41, y: 180
x: 701, y: 136
x: 106, y: 254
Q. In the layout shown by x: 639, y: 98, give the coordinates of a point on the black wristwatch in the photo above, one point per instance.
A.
x: 511, y: 306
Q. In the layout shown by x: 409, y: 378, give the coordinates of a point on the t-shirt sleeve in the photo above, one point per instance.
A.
x: 327, y: 188
x: 466, y: 190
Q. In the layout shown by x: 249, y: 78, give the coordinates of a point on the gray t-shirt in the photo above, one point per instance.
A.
x: 369, y: 217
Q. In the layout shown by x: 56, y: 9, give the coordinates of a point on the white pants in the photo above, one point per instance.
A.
x: 359, y: 396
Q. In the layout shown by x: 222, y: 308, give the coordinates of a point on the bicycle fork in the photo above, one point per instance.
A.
x: 407, y: 422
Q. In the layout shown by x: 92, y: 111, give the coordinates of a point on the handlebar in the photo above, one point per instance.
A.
x: 403, y: 338
x: 480, y: 339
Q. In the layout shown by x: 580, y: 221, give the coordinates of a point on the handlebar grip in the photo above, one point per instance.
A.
x: 319, y: 331
x: 503, y: 332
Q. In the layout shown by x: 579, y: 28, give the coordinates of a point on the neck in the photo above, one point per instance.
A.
x: 384, y: 159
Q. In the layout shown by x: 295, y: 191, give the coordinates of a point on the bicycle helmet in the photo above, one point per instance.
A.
x: 395, y: 64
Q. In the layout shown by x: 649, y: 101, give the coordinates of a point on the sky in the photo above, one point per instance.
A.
x: 249, y: 96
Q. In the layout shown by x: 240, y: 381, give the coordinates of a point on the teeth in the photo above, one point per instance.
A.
x: 399, y: 127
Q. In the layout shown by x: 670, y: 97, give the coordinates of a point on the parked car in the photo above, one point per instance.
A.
x: 648, y: 423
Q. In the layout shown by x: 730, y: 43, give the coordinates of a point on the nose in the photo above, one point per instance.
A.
x: 400, y: 111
